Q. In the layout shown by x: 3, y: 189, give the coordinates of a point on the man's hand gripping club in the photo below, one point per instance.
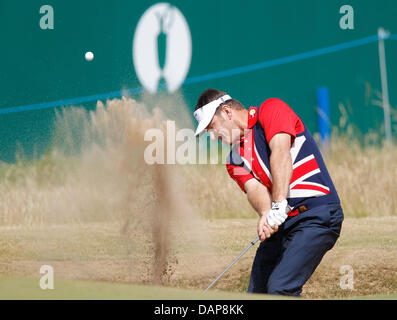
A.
x: 270, y: 221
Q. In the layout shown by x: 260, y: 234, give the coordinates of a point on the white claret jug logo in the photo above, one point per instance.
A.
x: 162, y: 48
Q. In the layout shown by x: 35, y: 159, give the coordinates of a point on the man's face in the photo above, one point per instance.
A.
x: 223, y: 127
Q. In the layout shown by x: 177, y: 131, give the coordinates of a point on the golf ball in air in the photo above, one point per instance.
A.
x: 89, y: 56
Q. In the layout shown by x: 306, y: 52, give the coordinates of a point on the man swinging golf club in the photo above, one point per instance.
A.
x: 276, y: 162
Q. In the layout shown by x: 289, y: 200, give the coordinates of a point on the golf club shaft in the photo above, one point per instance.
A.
x: 234, y: 261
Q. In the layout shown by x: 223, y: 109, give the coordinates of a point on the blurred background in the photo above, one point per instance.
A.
x: 320, y: 57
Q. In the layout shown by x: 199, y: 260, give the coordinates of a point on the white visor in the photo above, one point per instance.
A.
x: 205, y: 114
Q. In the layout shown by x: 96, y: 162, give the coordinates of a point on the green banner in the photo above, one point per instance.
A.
x: 253, y: 50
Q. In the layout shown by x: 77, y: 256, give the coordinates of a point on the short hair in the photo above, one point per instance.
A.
x: 212, y: 94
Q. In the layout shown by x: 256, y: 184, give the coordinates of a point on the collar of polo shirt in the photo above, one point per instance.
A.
x: 205, y: 114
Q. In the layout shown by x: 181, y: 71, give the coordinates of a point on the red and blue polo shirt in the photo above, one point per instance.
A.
x: 310, y: 184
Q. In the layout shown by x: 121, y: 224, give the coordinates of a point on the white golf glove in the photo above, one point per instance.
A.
x: 278, y: 213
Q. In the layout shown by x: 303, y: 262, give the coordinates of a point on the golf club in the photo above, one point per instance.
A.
x: 234, y: 261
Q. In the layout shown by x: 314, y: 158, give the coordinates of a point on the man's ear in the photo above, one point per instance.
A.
x: 228, y: 111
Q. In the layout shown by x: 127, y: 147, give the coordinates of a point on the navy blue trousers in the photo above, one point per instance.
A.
x: 285, y: 261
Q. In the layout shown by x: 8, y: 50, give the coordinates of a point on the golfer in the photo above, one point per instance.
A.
x: 276, y: 162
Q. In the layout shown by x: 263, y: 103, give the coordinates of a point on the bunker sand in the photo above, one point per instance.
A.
x: 97, y: 252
